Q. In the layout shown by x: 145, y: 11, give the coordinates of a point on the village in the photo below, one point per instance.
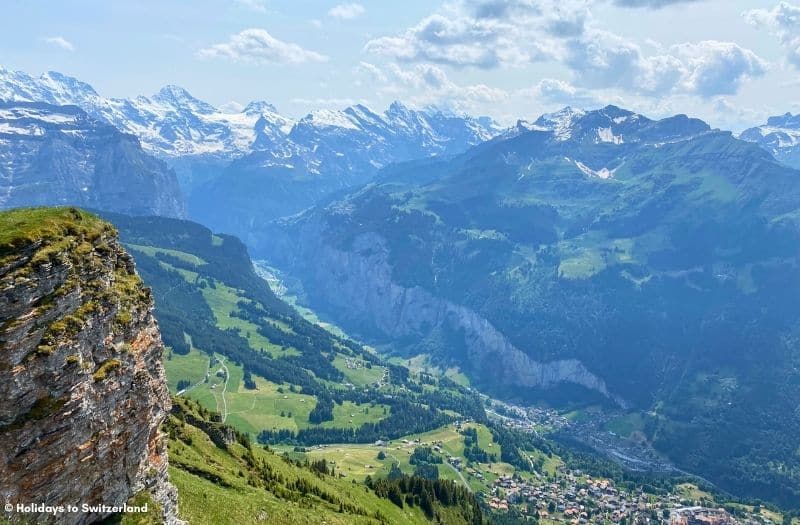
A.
x: 577, y: 499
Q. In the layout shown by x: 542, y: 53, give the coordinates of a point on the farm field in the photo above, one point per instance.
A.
x: 361, y: 460
x: 268, y: 406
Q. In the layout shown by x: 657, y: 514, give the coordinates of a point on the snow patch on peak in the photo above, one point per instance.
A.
x: 328, y: 118
x: 560, y: 122
x: 603, y: 173
x: 607, y: 135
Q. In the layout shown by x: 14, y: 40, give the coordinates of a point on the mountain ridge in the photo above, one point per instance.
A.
x: 173, y: 113
x: 640, y: 257
x: 780, y: 136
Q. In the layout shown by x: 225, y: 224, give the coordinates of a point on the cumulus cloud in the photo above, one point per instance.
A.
x: 232, y: 107
x: 489, y: 34
x: 708, y: 68
x: 372, y: 71
x: 555, y: 91
x: 478, y: 33
x: 59, y: 42
x: 347, y: 11
x: 258, y: 46
x: 783, y: 20
x: 717, y: 68
x: 427, y: 84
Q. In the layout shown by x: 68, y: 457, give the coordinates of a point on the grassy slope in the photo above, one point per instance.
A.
x: 222, y: 301
x: 254, y: 410
x: 237, y: 496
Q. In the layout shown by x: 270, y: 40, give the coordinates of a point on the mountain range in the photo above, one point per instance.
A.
x: 257, y: 162
x: 587, y: 257
x: 600, y: 255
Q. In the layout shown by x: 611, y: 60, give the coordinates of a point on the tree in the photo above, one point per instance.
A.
x: 395, y: 472
x: 426, y: 503
x: 395, y: 496
x: 381, y: 455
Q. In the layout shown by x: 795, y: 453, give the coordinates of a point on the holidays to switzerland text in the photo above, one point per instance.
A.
x: 41, y: 508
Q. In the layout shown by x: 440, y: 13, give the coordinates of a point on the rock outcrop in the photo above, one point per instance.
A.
x: 81, y: 381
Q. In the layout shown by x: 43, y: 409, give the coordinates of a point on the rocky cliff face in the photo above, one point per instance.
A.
x: 58, y: 155
x: 81, y: 381
x: 357, y: 283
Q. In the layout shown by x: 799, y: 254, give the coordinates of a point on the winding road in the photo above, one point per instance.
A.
x: 224, y: 388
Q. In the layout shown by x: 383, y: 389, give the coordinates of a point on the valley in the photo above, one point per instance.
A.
x: 646, y: 293
x: 409, y: 315
x: 519, y: 454
x: 452, y: 262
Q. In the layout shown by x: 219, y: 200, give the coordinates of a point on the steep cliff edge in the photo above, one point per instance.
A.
x: 81, y: 381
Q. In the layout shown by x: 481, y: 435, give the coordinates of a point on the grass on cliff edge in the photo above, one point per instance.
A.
x: 21, y: 227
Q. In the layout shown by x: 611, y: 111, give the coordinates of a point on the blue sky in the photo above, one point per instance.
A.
x: 731, y: 62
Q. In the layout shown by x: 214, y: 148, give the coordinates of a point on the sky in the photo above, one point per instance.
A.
x: 730, y: 62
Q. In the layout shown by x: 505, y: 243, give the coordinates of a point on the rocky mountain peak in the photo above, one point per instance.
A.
x: 780, y: 136
x: 259, y: 107
x: 180, y: 98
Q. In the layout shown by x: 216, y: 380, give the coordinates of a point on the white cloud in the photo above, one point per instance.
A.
x: 735, y: 117
x: 372, y: 70
x: 478, y: 33
x: 254, y: 5
x: 707, y: 68
x: 489, y: 34
x: 717, y: 68
x: 60, y: 42
x: 232, y: 107
x: 555, y: 91
x: 347, y: 11
x: 784, y: 21
x: 258, y: 46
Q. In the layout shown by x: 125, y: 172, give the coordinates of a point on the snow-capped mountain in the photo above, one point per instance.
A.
x: 173, y: 123
x: 324, y: 152
x: 780, y: 136
x: 610, y: 124
x: 200, y: 140
x: 58, y: 155
x: 358, y: 139
x: 170, y: 123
